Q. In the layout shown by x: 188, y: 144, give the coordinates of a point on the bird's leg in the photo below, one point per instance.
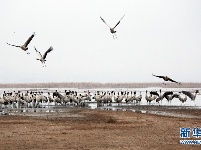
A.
x: 28, y: 53
x: 42, y: 63
x: 115, y: 36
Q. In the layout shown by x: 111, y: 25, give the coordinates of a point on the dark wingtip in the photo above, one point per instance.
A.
x: 51, y: 48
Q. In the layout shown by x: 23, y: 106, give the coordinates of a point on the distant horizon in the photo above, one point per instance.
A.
x: 86, y: 85
x: 94, y: 82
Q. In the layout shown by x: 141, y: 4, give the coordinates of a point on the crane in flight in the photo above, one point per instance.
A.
x: 166, y: 78
x: 42, y: 58
x: 24, y: 47
x: 112, y: 29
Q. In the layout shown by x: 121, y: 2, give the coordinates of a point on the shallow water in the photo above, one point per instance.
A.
x: 143, y: 107
x: 62, y: 111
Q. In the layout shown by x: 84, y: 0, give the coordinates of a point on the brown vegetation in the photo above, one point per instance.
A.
x: 88, y: 85
x: 94, y: 129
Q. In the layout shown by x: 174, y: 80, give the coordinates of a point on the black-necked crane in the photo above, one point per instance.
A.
x: 166, y: 78
x: 182, y: 98
x: 137, y: 98
x: 167, y: 95
x: 24, y: 47
x: 43, y: 57
x: 159, y: 98
x: 120, y: 97
x: 112, y: 29
x: 190, y: 94
x: 155, y: 93
x: 150, y: 98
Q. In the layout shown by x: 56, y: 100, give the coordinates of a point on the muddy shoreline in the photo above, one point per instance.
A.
x: 83, y: 128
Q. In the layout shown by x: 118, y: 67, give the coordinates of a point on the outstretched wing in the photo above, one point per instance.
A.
x: 189, y: 94
x: 176, y: 95
x: 49, y: 50
x: 104, y: 22
x: 29, y: 40
x: 158, y: 76
x: 13, y: 45
x: 167, y: 93
x: 39, y: 54
x: 154, y: 93
x: 172, y: 80
x: 119, y: 22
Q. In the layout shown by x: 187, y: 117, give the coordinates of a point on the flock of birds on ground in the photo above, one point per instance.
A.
x: 42, y: 58
x: 27, y: 99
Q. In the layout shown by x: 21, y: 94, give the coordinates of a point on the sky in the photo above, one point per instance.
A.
x: 162, y: 37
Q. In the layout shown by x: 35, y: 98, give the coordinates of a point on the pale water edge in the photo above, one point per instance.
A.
x: 174, y: 102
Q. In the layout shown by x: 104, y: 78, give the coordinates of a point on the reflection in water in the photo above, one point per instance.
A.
x: 140, y: 111
x: 153, y: 108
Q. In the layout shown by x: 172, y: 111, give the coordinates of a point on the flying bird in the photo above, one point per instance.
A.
x: 43, y: 57
x: 25, y: 45
x: 112, y: 29
x: 166, y: 78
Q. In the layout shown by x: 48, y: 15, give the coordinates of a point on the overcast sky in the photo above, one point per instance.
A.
x: 155, y: 36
